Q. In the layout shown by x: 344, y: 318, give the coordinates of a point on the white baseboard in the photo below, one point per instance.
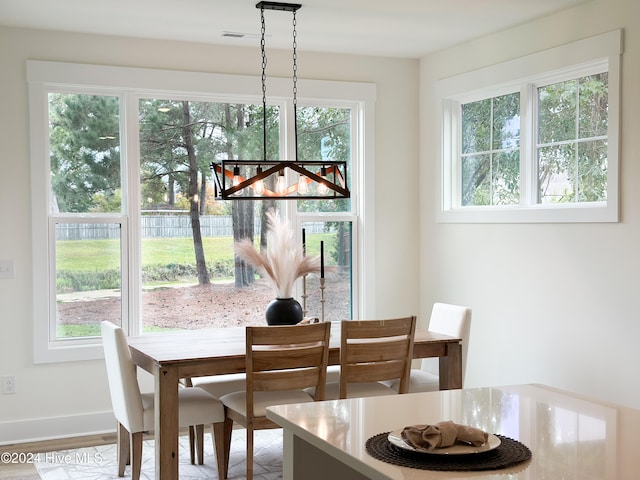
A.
x: 34, y: 430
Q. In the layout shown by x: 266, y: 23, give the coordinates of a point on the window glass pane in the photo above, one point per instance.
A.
x: 592, y: 171
x: 594, y: 105
x: 337, y: 243
x: 324, y: 133
x: 557, y: 170
x: 88, y: 278
x: 84, y: 143
x: 506, y: 178
x: 189, y: 275
x: 476, y: 180
x: 506, y: 122
x: 172, y: 295
x: 557, y: 112
x: 476, y: 126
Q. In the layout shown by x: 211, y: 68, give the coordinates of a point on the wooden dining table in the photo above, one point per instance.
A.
x: 171, y: 356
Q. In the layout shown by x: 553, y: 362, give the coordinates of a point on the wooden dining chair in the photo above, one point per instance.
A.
x: 373, y: 351
x: 134, y: 411
x: 217, y: 386
x: 281, y: 361
x: 452, y: 320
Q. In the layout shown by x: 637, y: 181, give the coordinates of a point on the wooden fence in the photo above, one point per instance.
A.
x: 160, y: 226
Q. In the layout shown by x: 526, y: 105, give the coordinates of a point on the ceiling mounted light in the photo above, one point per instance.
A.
x: 280, y: 179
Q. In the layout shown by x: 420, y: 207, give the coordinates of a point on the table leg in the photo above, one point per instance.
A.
x: 451, y: 367
x: 287, y: 455
x: 166, y: 423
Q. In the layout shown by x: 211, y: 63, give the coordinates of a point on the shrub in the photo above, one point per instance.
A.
x: 82, y: 281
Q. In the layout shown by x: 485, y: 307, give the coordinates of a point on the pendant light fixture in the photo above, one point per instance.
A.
x: 279, y: 179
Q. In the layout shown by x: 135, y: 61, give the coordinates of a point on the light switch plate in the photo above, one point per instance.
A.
x: 7, y: 269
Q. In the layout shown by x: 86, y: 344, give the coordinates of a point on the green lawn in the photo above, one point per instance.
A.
x: 97, y: 255
x: 75, y: 331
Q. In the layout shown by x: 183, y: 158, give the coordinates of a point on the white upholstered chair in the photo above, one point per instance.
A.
x: 371, y: 352
x: 281, y: 362
x: 134, y: 411
x: 453, y: 320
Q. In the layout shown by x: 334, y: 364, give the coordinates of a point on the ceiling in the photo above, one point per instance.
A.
x: 392, y: 28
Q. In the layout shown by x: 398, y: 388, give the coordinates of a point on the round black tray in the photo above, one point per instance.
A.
x: 509, y: 453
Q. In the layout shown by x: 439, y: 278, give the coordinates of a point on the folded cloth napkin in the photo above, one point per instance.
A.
x: 443, y: 434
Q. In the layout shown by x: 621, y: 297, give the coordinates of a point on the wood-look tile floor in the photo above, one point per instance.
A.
x: 23, y: 470
x: 94, y: 458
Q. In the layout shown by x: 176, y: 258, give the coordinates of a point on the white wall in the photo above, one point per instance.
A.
x: 552, y: 303
x: 69, y: 398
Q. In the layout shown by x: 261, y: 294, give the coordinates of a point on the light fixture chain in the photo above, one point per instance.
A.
x: 295, y: 61
x: 264, y: 85
x: 295, y: 87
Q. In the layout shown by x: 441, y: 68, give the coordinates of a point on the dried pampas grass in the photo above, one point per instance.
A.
x: 283, y: 261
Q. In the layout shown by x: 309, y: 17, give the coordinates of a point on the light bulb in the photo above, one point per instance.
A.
x: 303, y: 187
x: 323, y: 189
x: 236, y: 176
x: 258, y: 186
x: 281, y: 185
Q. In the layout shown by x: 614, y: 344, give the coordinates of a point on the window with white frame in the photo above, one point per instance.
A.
x: 534, y: 139
x: 123, y: 204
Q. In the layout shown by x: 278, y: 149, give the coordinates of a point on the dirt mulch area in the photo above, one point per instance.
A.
x: 199, y: 306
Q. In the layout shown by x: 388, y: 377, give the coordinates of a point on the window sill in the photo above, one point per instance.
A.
x: 582, y: 213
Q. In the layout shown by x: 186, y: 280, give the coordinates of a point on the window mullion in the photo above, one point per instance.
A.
x: 132, y: 258
x: 491, y: 155
x: 528, y: 149
x: 453, y: 170
x: 52, y: 284
x: 576, y: 198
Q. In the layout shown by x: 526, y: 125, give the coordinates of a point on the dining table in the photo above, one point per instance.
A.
x: 176, y: 355
x: 534, y: 432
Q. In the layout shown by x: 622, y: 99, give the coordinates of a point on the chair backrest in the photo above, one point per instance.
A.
x: 286, y: 357
x: 375, y: 351
x: 126, y: 399
x: 453, y: 320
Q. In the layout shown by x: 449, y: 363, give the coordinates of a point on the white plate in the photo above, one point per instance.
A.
x: 395, y: 438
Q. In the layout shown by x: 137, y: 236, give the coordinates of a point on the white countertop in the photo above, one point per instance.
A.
x: 569, y: 436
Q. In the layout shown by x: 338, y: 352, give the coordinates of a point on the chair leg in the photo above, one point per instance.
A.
x: 192, y: 443
x: 219, y: 448
x: 123, y: 449
x: 249, y: 451
x: 200, y: 443
x: 136, y: 455
x: 226, y: 439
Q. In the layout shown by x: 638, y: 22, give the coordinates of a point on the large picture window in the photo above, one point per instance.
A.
x: 124, y: 201
x: 534, y: 139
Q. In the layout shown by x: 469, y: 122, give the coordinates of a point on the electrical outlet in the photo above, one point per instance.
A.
x: 9, y: 386
x: 7, y: 269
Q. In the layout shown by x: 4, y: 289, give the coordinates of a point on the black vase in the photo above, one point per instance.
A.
x: 283, y: 311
